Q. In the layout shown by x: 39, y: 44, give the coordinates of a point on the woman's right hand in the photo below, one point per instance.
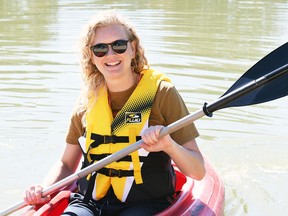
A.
x: 33, y: 195
x: 64, y: 167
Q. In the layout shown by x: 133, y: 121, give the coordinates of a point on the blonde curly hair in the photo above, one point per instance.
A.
x: 92, y: 77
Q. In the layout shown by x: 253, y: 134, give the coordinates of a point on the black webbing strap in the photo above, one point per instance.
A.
x: 88, y: 194
x: 115, y: 173
x: 100, y: 139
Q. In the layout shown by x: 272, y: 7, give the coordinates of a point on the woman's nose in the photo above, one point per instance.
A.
x: 110, y: 51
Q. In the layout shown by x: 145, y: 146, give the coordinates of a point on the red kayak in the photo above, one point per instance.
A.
x: 197, y: 198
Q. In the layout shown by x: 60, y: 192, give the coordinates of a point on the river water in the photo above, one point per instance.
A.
x: 204, y: 46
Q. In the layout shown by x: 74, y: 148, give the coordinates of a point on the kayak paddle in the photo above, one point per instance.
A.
x: 265, y: 81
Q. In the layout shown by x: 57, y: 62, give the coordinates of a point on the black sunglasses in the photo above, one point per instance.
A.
x: 101, y: 49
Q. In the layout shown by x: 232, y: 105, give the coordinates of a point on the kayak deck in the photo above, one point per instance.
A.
x: 197, y: 198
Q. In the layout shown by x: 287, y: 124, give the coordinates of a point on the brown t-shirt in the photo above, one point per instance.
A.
x: 167, y: 108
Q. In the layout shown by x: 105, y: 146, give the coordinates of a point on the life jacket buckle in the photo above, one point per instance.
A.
x: 109, y: 139
x: 115, y: 173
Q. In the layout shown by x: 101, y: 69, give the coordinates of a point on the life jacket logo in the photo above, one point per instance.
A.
x: 133, y: 117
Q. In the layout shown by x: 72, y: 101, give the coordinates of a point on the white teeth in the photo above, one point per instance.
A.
x: 113, y: 63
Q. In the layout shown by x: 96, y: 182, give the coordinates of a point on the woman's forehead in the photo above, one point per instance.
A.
x: 107, y: 33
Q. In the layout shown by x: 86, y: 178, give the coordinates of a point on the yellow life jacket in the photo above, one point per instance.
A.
x: 105, y: 136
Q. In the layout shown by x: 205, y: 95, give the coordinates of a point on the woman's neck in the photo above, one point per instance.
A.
x: 120, y: 85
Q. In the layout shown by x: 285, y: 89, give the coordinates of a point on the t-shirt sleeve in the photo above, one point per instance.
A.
x: 169, y: 107
x: 75, y: 128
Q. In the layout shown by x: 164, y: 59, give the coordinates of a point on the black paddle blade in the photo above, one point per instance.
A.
x: 267, y: 80
x: 274, y: 89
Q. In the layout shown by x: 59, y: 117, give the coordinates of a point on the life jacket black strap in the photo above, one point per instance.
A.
x: 100, y: 139
x: 115, y: 173
x: 124, y: 173
x: 88, y: 193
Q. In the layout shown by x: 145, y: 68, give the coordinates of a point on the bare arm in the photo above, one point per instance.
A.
x: 187, y: 157
x: 65, y: 166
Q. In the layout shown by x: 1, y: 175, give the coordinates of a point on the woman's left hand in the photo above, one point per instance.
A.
x: 187, y: 157
x: 152, y: 141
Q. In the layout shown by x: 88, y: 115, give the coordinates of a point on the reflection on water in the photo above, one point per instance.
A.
x: 27, y: 22
x: 203, y: 46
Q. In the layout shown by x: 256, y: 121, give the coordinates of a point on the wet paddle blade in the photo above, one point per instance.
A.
x: 267, y: 80
x: 274, y: 89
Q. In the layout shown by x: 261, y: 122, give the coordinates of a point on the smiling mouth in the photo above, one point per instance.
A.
x: 113, y: 63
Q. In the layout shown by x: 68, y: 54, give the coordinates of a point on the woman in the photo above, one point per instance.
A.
x: 123, y: 100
